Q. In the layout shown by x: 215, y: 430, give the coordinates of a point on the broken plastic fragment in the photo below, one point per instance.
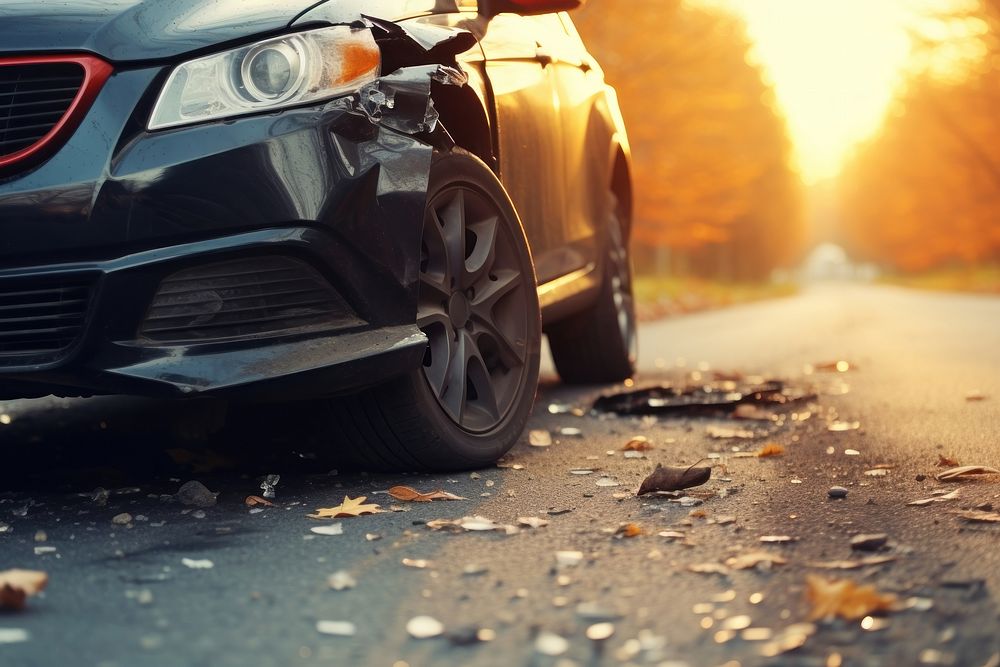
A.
x: 267, y: 486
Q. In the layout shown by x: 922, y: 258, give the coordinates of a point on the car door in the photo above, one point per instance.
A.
x: 530, y: 145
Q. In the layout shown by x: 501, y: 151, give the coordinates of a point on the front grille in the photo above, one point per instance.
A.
x: 41, y: 318
x: 33, y: 99
x: 244, y: 298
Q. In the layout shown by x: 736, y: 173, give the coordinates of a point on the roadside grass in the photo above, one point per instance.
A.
x: 978, y: 279
x: 667, y: 296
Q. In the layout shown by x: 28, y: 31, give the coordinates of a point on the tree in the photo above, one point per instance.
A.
x: 712, y: 174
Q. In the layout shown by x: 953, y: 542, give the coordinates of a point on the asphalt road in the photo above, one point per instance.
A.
x: 123, y: 595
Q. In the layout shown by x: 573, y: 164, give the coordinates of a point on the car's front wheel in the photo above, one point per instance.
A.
x: 469, y: 401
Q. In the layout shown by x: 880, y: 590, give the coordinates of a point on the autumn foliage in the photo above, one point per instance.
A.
x: 715, y: 193
x: 925, y: 192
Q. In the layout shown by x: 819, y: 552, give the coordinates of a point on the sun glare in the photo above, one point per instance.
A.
x: 834, y: 65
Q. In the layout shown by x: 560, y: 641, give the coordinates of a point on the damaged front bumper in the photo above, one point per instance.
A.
x: 132, y: 226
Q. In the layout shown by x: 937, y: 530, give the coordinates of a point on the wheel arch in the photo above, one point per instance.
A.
x: 462, y: 111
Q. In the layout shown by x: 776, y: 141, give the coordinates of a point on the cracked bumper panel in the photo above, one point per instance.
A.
x: 124, y: 208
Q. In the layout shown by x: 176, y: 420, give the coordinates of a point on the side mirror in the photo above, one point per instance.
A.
x: 526, y: 7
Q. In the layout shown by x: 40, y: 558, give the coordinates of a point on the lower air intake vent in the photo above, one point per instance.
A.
x: 41, y: 319
x: 242, y: 298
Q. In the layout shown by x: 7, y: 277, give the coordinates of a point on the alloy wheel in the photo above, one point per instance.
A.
x: 472, y: 307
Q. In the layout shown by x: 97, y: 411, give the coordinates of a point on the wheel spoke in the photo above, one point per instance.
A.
x: 433, y: 288
x: 452, y: 219
x: 511, y: 352
x: 454, y: 394
x: 482, y: 383
x: 441, y: 342
x: 481, y: 259
x: 492, y: 291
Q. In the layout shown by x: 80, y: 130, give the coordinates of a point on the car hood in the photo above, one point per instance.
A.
x: 123, y: 30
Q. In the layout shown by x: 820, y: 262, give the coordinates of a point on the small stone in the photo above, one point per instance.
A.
x: 5, y: 527
x: 41, y: 536
x: 920, y: 478
x: 424, y: 627
x: 837, y: 492
x: 569, y: 558
x: 341, y: 580
x: 600, y: 631
x: 869, y: 542
x: 198, y: 564
x: 195, y: 493
x: 332, y: 529
x: 198, y: 514
x: 336, y: 628
x: 549, y: 643
x: 100, y: 496
x: 122, y: 519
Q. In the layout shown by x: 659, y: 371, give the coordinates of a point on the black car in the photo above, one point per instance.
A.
x: 380, y: 203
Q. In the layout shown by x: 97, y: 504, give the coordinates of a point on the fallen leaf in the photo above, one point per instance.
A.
x: 412, y: 495
x: 628, y: 530
x: 770, y: 449
x: 16, y: 586
x: 349, y: 508
x: 752, y: 412
x: 935, y: 499
x: 963, y: 472
x: 708, y: 568
x: 674, y: 478
x: 251, y: 501
x: 470, y: 523
x: 840, y: 427
x: 638, y: 444
x: 947, y: 461
x: 852, y: 564
x: 725, y: 433
x: 532, y: 521
x: 978, y: 516
x: 755, y: 559
x: 844, y: 598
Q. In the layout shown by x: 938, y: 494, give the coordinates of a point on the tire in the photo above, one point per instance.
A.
x: 469, y: 402
x: 599, y: 344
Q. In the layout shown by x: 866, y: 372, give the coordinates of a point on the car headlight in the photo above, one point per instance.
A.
x: 268, y: 75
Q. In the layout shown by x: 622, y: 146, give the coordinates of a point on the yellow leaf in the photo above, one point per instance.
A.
x: 408, y: 494
x: 350, y: 507
x: 844, y: 598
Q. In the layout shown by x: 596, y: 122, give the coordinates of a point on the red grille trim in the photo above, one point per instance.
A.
x: 95, y: 73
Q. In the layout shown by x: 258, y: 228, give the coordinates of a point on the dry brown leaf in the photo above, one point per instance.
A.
x: 638, y: 444
x: 629, y: 530
x: 674, y: 478
x: 978, y: 516
x: 963, y: 472
x: 852, y: 564
x: 755, y: 559
x: 16, y: 586
x: 349, y: 508
x: 947, y: 461
x: 251, y: 501
x: 770, y: 449
x: 412, y: 495
x: 844, y: 598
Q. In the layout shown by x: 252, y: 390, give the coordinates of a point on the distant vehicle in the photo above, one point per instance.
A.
x: 380, y: 202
